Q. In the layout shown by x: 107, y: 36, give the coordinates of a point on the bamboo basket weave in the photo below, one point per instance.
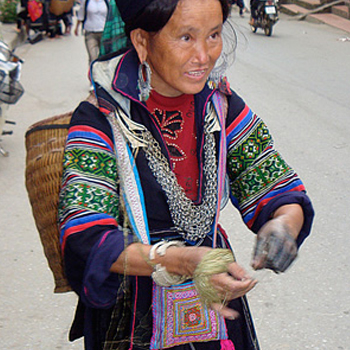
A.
x: 45, y: 143
x: 59, y: 7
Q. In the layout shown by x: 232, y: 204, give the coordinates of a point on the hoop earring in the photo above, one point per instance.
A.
x: 144, y: 81
x: 217, y: 78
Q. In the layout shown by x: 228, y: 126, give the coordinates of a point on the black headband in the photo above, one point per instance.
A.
x: 130, y: 8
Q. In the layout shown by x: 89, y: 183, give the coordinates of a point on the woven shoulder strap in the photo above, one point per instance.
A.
x: 221, y: 107
x: 130, y: 182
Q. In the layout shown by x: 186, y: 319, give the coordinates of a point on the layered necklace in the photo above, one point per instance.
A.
x: 192, y: 221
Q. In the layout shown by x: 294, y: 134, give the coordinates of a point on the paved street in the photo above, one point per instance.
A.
x: 298, y: 81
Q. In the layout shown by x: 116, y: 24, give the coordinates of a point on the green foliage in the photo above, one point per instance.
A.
x: 8, y: 13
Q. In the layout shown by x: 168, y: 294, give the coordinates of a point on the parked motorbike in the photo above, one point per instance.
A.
x: 11, y: 89
x: 267, y: 16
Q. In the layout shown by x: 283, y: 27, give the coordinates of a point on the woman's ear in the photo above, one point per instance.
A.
x: 139, y: 39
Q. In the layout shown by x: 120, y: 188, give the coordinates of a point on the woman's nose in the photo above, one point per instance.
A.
x: 201, y: 53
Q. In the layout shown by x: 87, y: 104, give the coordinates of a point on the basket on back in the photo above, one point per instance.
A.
x: 45, y: 143
x: 59, y: 7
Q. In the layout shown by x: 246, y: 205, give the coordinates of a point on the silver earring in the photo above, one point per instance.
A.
x: 217, y: 75
x: 144, y: 81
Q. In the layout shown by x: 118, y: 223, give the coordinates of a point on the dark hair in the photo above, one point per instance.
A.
x: 157, y: 14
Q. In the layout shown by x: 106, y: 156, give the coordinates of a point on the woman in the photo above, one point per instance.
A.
x: 144, y: 180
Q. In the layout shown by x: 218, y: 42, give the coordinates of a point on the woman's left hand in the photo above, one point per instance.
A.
x: 275, y: 248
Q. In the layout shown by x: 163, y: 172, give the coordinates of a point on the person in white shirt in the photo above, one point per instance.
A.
x: 92, y: 16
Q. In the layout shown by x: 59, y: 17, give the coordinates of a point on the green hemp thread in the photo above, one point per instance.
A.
x: 213, y: 262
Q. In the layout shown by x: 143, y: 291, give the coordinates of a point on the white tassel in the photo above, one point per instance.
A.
x: 213, y: 121
x: 132, y: 131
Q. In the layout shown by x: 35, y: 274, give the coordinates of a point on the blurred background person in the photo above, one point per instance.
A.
x: 91, y: 17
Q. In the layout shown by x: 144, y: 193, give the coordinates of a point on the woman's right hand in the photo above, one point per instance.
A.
x: 230, y: 285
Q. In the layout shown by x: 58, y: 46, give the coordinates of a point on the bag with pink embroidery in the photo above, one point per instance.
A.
x: 179, y: 317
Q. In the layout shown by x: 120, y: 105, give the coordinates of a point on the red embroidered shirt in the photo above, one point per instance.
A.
x: 175, y: 117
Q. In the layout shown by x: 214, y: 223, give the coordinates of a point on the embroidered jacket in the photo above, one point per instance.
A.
x: 89, y: 216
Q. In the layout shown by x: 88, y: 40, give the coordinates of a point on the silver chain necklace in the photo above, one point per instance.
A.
x: 192, y: 221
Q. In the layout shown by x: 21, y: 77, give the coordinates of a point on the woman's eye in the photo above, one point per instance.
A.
x: 215, y: 35
x: 185, y: 38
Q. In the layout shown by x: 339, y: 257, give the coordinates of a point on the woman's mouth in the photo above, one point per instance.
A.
x: 196, y: 74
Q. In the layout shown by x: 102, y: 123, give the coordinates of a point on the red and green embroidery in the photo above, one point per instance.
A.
x: 254, y: 167
x: 94, y: 162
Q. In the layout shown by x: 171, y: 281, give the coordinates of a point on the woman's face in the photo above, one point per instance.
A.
x: 184, y: 52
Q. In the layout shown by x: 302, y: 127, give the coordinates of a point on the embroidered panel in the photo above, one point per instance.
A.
x: 179, y: 317
x: 259, y: 178
x: 256, y: 170
x: 89, y: 182
x: 94, y: 162
x: 87, y: 197
x: 247, y: 147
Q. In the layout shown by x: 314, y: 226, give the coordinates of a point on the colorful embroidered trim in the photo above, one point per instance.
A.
x: 179, y: 317
x: 130, y: 183
x: 90, y: 182
x: 84, y: 196
x: 260, y: 178
x: 256, y: 170
x: 221, y: 109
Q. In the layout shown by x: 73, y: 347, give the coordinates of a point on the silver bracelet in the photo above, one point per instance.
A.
x: 160, y: 275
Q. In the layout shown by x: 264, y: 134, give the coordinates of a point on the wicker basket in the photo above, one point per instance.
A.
x: 59, y: 7
x: 45, y: 143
